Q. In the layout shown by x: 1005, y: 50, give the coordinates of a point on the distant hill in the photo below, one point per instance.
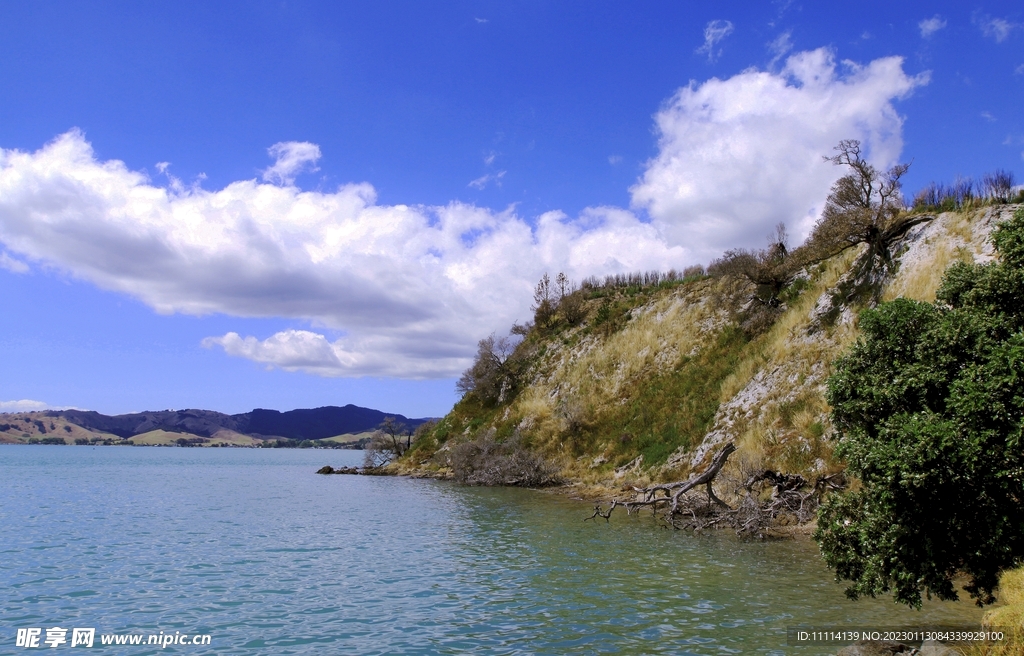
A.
x: 311, y: 424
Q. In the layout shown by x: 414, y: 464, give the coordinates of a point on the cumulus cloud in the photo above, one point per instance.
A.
x: 737, y: 156
x: 407, y: 290
x: 714, y: 33
x: 290, y: 159
x: 930, y: 26
x: 410, y: 289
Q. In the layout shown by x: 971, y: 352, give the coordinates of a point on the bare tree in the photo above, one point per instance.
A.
x: 998, y: 185
x: 563, y: 284
x: 865, y: 206
x: 389, y: 442
x: 571, y: 304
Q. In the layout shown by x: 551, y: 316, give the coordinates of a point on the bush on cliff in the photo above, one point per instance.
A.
x: 930, y: 408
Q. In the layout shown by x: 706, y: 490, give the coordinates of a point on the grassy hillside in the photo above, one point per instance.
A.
x: 654, y: 374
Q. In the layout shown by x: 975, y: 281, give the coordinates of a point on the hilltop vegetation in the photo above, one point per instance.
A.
x: 642, y: 378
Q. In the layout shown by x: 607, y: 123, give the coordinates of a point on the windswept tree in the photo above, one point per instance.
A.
x: 865, y: 206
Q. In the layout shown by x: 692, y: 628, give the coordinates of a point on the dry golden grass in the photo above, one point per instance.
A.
x: 950, y: 238
x: 785, y: 338
x: 785, y: 428
x: 1008, y: 618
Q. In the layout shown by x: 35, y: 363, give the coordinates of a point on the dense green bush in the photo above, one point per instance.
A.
x: 929, y: 406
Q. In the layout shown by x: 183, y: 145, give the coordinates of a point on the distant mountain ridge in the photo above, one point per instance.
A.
x: 302, y: 424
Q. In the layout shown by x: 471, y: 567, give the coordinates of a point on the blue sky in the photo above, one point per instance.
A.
x: 292, y: 204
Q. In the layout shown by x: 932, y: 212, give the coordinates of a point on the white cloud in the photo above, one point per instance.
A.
x: 407, y: 290
x: 737, y: 156
x: 714, y: 33
x: 11, y: 264
x: 290, y: 159
x: 779, y: 47
x: 1019, y: 70
x: 482, y: 20
x: 614, y: 159
x: 998, y: 29
x: 930, y: 26
x: 24, y: 405
x: 988, y: 117
x: 410, y: 288
x: 482, y: 182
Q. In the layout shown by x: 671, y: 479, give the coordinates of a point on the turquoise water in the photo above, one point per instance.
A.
x: 253, y: 548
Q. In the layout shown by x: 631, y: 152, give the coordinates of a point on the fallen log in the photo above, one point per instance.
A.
x: 789, y: 503
x: 674, y: 491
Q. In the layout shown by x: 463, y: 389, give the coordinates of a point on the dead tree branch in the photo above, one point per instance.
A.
x: 792, y: 500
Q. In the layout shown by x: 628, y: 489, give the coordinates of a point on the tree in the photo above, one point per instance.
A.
x: 544, y: 302
x: 929, y: 406
x: 864, y: 207
x: 770, y: 269
x: 998, y: 185
x: 496, y: 372
x: 388, y: 443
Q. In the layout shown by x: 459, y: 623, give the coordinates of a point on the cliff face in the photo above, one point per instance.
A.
x: 654, y: 378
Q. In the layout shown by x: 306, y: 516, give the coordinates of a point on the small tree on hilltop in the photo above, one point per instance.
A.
x: 929, y: 406
x: 544, y: 302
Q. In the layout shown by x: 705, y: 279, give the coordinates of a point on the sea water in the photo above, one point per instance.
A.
x: 253, y: 549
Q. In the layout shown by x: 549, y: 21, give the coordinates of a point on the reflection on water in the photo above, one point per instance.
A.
x: 250, y: 546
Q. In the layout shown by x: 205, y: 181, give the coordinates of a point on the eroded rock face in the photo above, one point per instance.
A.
x: 797, y: 364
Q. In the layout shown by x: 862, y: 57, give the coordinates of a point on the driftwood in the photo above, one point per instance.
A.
x: 787, y: 503
x: 673, y: 492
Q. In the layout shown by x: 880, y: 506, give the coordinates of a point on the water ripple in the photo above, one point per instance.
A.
x: 253, y: 548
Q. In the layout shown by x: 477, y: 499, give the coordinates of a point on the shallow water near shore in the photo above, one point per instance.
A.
x: 255, y: 549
